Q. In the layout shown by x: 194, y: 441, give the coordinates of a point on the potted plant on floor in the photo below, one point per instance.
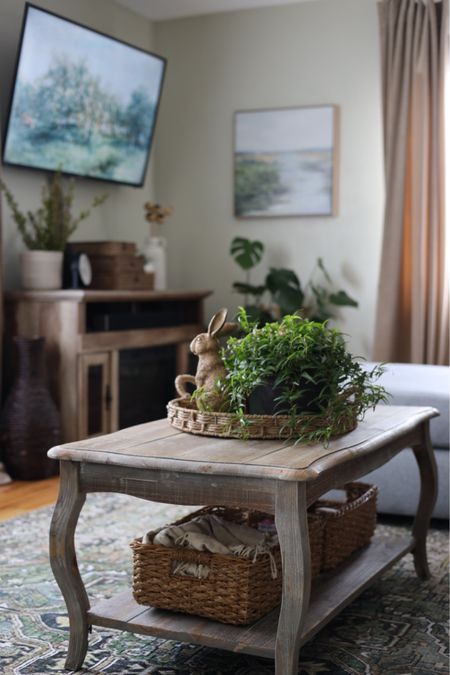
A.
x: 282, y: 292
x: 46, y: 231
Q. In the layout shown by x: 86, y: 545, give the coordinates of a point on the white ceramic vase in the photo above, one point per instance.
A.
x: 155, y: 260
x: 41, y: 270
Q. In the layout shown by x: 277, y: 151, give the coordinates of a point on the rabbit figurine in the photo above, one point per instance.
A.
x: 210, y: 365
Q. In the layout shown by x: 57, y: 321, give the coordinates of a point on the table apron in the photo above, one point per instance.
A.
x: 179, y: 487
x: 205, y: 489
x: 360, y: 465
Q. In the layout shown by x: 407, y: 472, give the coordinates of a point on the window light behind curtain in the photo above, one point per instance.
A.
x: 413, y: 305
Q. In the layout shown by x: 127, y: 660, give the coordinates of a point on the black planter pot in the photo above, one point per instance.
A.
x: 30, y: 422
x: 262, y: 401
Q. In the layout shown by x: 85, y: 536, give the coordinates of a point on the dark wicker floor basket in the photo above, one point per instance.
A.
x: 349, y: 525
x: 237, y: 590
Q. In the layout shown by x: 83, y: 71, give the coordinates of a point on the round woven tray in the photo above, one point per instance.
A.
x: 183, y: 414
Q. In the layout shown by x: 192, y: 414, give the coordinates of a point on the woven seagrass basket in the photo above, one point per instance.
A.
x: 183, y: 414
x: 237, y: 590
x: 348, y: 526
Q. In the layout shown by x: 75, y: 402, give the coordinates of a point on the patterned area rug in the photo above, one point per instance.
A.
x: 399, y: 626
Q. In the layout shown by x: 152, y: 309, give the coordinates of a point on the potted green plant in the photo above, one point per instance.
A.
x: 297, y: 367
x: 282, y: 292
x: 46, y: 231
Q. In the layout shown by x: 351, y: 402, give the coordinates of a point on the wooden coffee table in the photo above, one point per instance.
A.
x: 156, y: 462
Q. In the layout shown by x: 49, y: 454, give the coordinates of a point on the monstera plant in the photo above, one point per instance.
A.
x: 282, y: 292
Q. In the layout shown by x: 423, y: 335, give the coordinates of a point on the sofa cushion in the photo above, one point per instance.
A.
x: 399, y: 485
x: 419, y: 384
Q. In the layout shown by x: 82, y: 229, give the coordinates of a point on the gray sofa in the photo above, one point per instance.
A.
x: 398, y: 480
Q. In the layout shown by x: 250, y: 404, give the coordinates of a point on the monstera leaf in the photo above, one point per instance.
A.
x: 246, y: 253
x: 284, y: 286
x: 342, y: 299
x: 248, y: 289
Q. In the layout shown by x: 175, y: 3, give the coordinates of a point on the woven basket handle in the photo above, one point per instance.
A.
x: 180, y: 384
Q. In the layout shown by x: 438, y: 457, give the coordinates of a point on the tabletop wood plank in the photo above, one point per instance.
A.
x: 123, y: 440
x: 198, y: 448
x: 301, y: 456
x: 158, y: 445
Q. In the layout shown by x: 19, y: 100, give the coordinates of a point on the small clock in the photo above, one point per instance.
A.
x: 85, y: 269
x: 77, y: 269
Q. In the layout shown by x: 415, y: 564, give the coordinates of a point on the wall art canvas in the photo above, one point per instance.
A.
x: 83, y: 102
x: 285, y: 162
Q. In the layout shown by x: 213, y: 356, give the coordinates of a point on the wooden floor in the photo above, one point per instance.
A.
x: 20, y: 497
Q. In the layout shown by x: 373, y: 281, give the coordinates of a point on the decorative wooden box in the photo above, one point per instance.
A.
x: 116, y: 266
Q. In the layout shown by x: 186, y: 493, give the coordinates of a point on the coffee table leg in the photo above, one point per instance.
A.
x: 292, y: 527
x: 64, y: 561
x: 426, y: 461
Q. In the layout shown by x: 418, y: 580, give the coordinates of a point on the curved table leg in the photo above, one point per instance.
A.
x: 424, y: 454
x: 64, y: 562
x: 292, y: 527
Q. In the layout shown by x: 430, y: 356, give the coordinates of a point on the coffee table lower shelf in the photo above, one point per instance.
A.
x: 331, y: 592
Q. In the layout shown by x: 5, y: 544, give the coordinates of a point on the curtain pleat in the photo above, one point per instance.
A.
x: 413, y: 303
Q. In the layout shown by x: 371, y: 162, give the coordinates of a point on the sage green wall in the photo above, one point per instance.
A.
x: 312, y: 52
x: 121, y: 217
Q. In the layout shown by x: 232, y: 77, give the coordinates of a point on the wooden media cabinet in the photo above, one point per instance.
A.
x: 112, y: 356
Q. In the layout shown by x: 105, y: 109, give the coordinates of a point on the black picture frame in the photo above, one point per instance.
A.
x: 65, y: 172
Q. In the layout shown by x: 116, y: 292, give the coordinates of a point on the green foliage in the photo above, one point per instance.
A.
x: 246, y: 253
x: 200, y: 396
x: 303, y: 360
x: 249, y: 289
x: 341, y: 298
x: 324, y: 295
x: 315, y: 301
x: 50, y: 227
x: 285, y: 289
x: 256, y: 182
x: 258, y: 314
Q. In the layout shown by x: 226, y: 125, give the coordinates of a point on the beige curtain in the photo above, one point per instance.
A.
x: 412, y: 322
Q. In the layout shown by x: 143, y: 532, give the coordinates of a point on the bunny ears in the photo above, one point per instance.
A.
x: 218, y: 325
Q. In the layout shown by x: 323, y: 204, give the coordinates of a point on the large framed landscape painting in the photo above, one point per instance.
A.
x: 82, y: 102
x: 285, y: 162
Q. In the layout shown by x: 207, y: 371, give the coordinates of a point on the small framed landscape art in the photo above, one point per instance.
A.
x: 285, y: 162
